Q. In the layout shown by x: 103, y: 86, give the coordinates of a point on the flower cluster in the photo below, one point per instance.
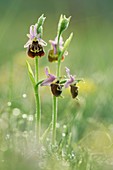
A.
x: 57, y: 85
x: 58, y: 51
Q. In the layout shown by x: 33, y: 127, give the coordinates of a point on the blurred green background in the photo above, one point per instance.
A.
x: 90, y: 57
x: 91, y: 23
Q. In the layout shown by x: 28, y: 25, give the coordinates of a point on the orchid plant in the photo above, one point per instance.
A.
x: 58, y: 51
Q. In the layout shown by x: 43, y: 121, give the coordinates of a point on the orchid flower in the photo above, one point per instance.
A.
x: 53, y: 53
x: 35, y: 44
x: 54, y: 44
x: 71, y: 79
x: 71, y: 82
x: 33, y: 36
x: 50, y: 78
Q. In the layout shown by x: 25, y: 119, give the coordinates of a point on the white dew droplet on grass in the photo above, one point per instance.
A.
x: 47, y: 139
x: 73, y: 155
x: 7, y: 136
x: 63, y: 134
x: 24, y: 95
x: 9, y: 103
x: 57, y: 125
x: 30, y: 118
x: 24, y: 116
x: 64, y: 126
x: 16, y: 112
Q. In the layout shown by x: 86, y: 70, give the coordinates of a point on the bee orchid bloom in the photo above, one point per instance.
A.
x: 50, y: 78
x: 35, y: 43
x: 71, y: 79
x: 56, y: 87
x: 71, y: 82
x: 53, y: 53
x: 55, y: 42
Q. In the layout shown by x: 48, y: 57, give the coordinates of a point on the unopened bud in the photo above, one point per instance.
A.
x: 63, y: 24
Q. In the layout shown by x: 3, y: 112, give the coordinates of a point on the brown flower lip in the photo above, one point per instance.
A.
x: 35, y: 49
x: 53, y: 57
x: 56, y: 89
x: 74, y: 91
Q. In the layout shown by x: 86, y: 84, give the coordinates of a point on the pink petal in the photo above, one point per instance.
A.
x: 28, y: 43
x: 31, y: 30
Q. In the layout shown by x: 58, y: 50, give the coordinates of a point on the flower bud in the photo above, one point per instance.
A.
x: 40, y: 23
x: 63, y: 24
x: 41, y: 20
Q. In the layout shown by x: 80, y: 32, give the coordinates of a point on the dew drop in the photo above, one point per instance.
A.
x: 16, y: 112
x: 63, y: 134
x: 24, y: 95
x: 24, y: 116
x: 9, y: 104
x: 57, y: 125
x: 47, y: 139
x: 64, y: 126
x: 30, y: 118
x: 7, y: 136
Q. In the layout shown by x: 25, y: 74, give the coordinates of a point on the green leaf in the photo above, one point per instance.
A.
x: 30, y: 72
x: 66, y: 44
x: 45, y: 134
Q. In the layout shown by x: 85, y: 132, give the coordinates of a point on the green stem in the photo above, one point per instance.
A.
x: 54, y: 119
x: 55, y: 102
x: 58, y: 69
x: 37, y: 99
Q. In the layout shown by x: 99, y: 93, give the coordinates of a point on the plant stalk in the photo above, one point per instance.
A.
x: 37, y: 100
x: 54, y: 119
x: 55, y: 101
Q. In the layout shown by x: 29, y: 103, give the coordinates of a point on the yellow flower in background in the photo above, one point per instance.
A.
x: 87, y: 86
